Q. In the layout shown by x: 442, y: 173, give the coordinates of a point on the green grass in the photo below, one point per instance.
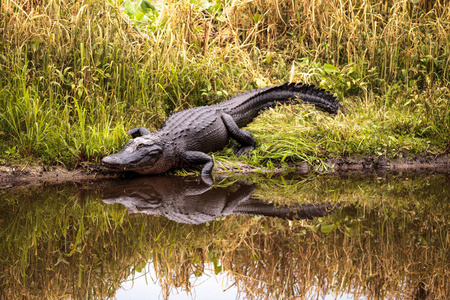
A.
x: 76, y: 76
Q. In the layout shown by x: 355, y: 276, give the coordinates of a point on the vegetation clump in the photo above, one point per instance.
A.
x: 77, y: 75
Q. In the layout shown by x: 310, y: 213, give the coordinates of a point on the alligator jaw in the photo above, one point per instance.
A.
x: 120, y: 162
x: 114, y: 162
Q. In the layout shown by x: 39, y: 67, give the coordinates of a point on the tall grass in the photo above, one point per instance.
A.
x: 76, y: 75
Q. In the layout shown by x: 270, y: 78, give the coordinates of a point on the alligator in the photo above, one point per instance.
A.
x: 186, y: 136
x: 190, y: 200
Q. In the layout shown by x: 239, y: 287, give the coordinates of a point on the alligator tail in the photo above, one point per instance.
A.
x: 246, y: 106
x: 297, y: 212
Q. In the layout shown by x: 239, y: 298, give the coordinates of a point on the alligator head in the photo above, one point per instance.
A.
x: 143, y: 155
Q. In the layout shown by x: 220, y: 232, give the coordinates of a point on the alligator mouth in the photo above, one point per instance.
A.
x: 115, y: 167
x: 114, y: 162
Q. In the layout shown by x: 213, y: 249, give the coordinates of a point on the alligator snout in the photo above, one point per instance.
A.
x: 111, y: 161
x: 107, y: 160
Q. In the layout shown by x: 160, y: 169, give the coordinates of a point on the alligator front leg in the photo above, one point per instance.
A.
x: 198, y: 158
x: 245, y: 139
x: 139, y: 131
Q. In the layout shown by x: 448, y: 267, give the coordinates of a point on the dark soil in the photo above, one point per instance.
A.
x: 13, y: 174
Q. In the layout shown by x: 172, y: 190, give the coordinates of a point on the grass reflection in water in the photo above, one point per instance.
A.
x: 388, y: 238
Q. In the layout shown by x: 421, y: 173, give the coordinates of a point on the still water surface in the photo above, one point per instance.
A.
x: 286, y: 237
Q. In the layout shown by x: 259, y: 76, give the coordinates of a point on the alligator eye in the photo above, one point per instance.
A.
x: 150, y: 149
x: 154, y: 149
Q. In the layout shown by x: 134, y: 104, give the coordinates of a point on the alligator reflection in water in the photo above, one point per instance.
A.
x: 190, y: 200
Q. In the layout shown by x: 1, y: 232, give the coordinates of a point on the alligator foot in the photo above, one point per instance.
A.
x: 244, y: 138
x: 139, y: 131
x: 243, y: 150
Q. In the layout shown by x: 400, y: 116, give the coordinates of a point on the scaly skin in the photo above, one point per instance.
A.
x: 186, y: 136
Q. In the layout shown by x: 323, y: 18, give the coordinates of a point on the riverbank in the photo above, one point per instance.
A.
x: 15, y: 174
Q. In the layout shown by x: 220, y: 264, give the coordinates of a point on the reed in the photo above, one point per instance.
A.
x: 77, y: 75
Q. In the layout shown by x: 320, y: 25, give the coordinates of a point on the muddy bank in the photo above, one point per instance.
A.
x: 14, y: 174
x: 419, y: 163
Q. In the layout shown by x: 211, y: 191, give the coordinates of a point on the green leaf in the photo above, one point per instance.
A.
x: 140, y: 16
x: 268, y: 57
x: 217, y: 269
x: 259, y: 82
x: 147, y: 5
x: 129, y: 7
x: 330, y: 68
x: 327, y: 228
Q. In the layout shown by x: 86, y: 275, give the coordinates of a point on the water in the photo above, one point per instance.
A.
x: 286, y: 237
